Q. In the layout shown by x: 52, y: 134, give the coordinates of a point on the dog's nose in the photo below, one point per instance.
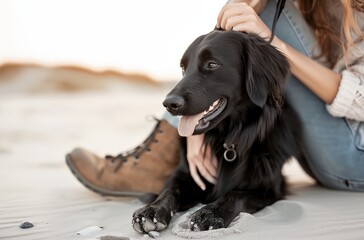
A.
x: 173, y: 103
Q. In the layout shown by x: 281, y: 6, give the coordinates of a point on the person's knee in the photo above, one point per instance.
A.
x: 340, y: 183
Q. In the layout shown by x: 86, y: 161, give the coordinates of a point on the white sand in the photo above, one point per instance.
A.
x: 37, y: 128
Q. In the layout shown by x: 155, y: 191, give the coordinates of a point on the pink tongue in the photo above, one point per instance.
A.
x: 187, y: 124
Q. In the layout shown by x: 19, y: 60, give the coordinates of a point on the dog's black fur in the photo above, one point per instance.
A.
x: 249, y: 74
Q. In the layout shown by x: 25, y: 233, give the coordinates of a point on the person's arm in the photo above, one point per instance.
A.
x: 349, y: 100
x: 321, y: 80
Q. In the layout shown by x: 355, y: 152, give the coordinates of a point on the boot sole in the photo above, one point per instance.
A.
x: 99, y: 190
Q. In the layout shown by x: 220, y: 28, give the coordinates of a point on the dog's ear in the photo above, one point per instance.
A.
x: 266, y: 70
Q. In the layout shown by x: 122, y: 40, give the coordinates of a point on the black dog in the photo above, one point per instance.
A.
x: 232, y: 90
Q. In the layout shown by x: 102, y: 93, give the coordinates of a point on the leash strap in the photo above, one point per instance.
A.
x: 277, y: 14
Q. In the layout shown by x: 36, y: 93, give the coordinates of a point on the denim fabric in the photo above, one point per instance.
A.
x: 357, y: 129
x: 333, y: 157
x: 333, y: 146
x: 171, y: 119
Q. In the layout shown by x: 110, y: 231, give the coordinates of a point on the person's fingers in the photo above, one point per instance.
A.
x: 249, y: 19
x: 203, y: 171
x: 210, y: 162
x: 243, y: 27
x: 235, y: 13
x: 205, y: 166
x: 254, y: 3
x: 243, y: 18
x: 228, y: 14
x: 214, y: 162
x: 200, y: 161
x: 196, y: 177
x: 222, y: 13
x: 194, y: 146
x: 233, y: 10
x: 258, y: 28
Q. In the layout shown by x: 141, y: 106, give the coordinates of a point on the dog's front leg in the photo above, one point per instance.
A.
x: 157, y: 215
x: 222, y: 212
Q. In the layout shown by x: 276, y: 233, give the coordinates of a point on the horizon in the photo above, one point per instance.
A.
x: 104, y: 35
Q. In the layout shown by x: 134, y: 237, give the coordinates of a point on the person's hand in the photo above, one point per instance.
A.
x: 240, y: 15
x: 200, y: 158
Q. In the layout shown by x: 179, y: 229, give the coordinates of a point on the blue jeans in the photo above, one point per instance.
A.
x: 334, y: 157
x: 335, y: 154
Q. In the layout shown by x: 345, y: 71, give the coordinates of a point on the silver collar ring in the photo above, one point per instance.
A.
x: 230, y: 152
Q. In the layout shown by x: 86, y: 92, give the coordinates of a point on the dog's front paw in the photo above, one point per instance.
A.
x: 205, y: 219
x: 151, y: 218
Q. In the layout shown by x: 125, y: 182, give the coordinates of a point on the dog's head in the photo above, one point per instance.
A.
x: 225, y: 72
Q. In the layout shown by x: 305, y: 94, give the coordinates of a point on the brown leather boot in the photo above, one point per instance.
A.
x: 144, y: 169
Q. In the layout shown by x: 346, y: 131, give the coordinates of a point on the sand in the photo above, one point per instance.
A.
x: 40, y: 121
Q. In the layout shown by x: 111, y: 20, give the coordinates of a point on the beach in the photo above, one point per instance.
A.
x: 46, y: 112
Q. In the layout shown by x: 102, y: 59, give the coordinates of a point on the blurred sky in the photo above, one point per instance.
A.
x: 136, y: 36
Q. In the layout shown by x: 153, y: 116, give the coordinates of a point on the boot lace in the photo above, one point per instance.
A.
x: 122, y: 158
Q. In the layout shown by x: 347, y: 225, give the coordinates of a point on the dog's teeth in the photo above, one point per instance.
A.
x: 155, y: 220
x: 211, y: 227
x: 143, y: 219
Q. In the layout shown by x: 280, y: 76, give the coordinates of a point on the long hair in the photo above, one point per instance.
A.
x: 332, y: 45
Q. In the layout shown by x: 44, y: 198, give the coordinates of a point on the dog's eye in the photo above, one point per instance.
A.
x: 212, y: 65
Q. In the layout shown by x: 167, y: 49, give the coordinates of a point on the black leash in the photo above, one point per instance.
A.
x: 277, y: 14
